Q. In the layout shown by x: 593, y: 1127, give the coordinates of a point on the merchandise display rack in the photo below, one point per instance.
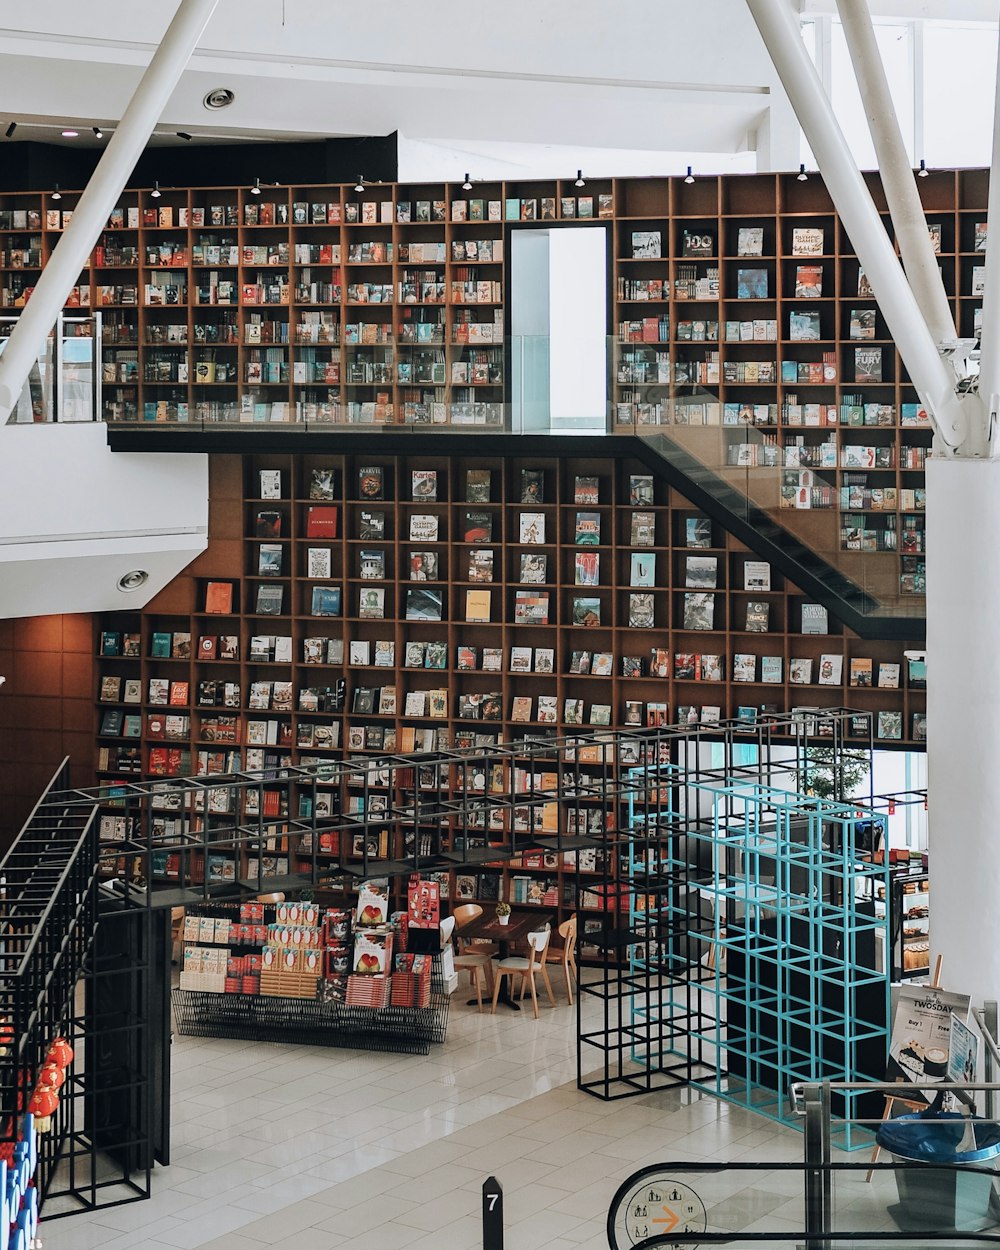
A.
x: 314, y: 1022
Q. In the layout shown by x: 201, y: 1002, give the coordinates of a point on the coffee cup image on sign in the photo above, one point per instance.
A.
x: 935, y: 1061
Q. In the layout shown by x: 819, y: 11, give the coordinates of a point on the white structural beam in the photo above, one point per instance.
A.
x: 989, y: 342
x: 900, y: 187
x: 935, y: 382
x: 91, y: 212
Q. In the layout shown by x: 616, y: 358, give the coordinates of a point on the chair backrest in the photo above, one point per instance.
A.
x: 538, y: 942
x: 462, y: 915
x: 447, y: 927
x: 567, y: 931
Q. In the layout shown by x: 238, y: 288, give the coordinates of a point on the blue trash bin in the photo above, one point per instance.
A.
x: 957, y: 1197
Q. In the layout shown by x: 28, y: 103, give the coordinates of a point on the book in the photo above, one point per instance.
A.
x: 423, y: 566
x: 697, y: 531
x: 587, y: 568
x: 321, y: 521
x: 532, y: 486
x: 371, y: 482
x: 478, y: 527
x: 756, y: 575
x: 371, y: 564
x: 423, y: 527
x: 321, y: 483
x: 643, y: 529
x: 531, y: 528
x: 269, y: 559
x: 477, y: 485
x: 701, y: 572
x: 533, y: 567
x: 531, y: 609
x: 481, y: 564
x: 918, y: 730
x: 602, y: 663
x: 697, y: 243
x: 752, y: 283
x: 267, y: 524
x: 862, y: 323
x: 750, y: 241
x: 586, y: 490
x: 586, y: 611
x: 587, y: 529
x: 111, y: 689
x: 423, y: 484
x: 744, y: 666
x: 641, y: 611
x: 423, y: 605
x: 477, y: 605
x: 270, y: 600
x: 218, y: 598
x: 319, y: 562
x: 868, y: 364
x: 371, y: 525
x: 803, y: 327
x: 642, y: 568
x: 579, y: 662
x: 640, y: 490
x: 861, y: 671
x: 371, y: 603
x: 646, y: 245
x: 800, y: 672
x: 808, y: 281
x: 758, y: 614
x: 770, y: 669
x: 325, y: 601
x: 979, y: 238
x: 831, y: 670
x: 888, y: 676
x: 270, y: 483
x: 815, y: 619
x: 807, y: 241
x: 699, y: 611
x: 889, y: 725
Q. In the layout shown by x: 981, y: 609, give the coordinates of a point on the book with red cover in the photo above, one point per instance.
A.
x: 321, y: 521
x: 219, y: 597
x: 156, y: 726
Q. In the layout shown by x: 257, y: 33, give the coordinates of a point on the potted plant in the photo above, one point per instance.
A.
x: 503, y: 913
x: 827, y: 773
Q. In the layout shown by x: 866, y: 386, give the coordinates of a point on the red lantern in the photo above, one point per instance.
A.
x: 51, y: 1076
x: 43, y: 1106
x: 60, y: 1052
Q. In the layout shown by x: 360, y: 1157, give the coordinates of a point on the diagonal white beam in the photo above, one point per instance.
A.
x: 106, y: 184
x: 935, y: 382
x: 894, y: 165
x: 989, y: 343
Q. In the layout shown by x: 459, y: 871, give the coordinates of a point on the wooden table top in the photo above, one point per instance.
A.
x: 521, y: 923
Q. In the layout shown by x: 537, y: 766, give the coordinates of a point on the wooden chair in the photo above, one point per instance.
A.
x: 565, y: 954
x: 525, y: 968
x: 478, y: 964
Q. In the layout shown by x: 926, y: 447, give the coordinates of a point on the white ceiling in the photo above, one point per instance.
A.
x: 526, y: 87
x: 660, y: 75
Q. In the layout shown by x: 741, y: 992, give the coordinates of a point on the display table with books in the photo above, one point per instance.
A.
x: 292, y: 972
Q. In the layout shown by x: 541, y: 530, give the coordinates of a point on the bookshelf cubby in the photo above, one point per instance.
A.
x: 324, y: 679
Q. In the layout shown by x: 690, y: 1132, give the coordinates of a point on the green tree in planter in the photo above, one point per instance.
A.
x: 830, y: 774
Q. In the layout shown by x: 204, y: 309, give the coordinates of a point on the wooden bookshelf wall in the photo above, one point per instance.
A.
x: 323, y: 304
x: 329, y: 731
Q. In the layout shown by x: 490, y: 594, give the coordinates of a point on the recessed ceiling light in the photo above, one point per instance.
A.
x: 71, y: 134
x: 219, y: 98
x: 133, y: 579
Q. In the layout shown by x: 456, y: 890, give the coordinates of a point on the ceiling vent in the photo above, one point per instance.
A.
x: 219, y: 98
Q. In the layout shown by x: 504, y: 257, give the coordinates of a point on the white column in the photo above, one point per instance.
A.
x: 963, y: 721
x: 96, y: 202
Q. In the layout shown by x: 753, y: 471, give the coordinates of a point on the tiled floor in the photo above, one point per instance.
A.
x: 302, y: 1148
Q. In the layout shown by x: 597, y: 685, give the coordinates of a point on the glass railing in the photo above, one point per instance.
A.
x: 833, y: 484
x: 63, y: 383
